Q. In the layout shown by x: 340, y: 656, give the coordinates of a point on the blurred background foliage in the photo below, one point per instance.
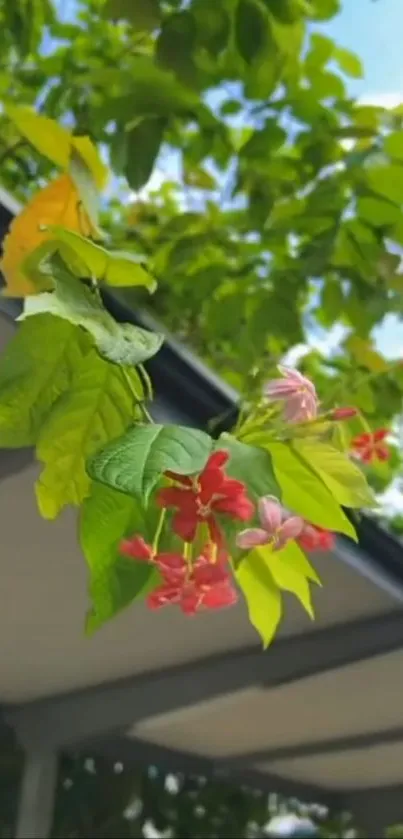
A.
x: 98, y: 798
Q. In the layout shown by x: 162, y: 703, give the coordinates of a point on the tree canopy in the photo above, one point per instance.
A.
x: 277, y: 196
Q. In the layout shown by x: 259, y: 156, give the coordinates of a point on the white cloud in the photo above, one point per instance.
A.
x: 385, y: 100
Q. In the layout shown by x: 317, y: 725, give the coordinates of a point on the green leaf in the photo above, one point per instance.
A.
x: 288, y: 576
x: 365, y: 355
x: 251, y: 27
x: 304, y: 493
x: 349, y: 63
x: 287, y: 11
x: 154, y: 93
x: 342, y: 477
x: 387, y: 180
x: 144, y: 15
x: 175, y: 45
x: 261, y: 594
x: 143, y: 144
x: 37, y: 366
x: 377, y: 212
x: 107, y: 517
x: 86, y: 259
x: 73, y: 301
x: 321, y: 50
x: 135, y: 462
x: 393, y: 145
x: 251, y: 465
x: 97, y: 407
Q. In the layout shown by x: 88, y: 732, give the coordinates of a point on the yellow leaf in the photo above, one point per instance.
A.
x: 261, y: 593
x: 89, y: 154
x: 56, y: 142
x: 57, y: 203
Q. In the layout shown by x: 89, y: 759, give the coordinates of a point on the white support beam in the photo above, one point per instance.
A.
x: 73, y: 718
x: 38, y: 788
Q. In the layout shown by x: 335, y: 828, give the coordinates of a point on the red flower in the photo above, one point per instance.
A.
x: 207, y: 585
x: 198, y: 499
x: 369, y: 447
x: 172, y: 566
x: 315, y: 538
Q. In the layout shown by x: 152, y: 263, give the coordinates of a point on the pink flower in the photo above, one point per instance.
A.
x: 298, y: 394
x: 276, y: 527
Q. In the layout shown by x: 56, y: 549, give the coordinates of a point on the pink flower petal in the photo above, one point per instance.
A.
x: 301, y: 381
x: 279, y: 388
x: 270, y: 514
x: 291, y: 528
x: 252, y: 537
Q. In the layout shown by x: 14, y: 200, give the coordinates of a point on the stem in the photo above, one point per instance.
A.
x: 187, y: 552
x: 137, y: 398
x: 146, y: 381
x: 158, y: 531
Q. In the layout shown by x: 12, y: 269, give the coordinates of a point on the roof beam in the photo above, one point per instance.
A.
x: 335, y: 745
x: 70, y: 718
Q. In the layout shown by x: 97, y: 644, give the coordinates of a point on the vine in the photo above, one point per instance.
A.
x: 167, y: 513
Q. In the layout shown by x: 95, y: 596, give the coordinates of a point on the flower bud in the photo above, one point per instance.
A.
x: 344, y: 413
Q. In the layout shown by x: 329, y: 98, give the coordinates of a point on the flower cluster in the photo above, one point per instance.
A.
x: 199, y: 577
x: 203, y: 584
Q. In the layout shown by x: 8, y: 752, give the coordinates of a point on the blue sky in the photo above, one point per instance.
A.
x: 374, y: 30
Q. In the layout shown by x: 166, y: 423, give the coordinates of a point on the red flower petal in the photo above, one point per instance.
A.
x: 172, y: 566
x: 210, y: 481
x: 316, y: 538
x: 185, y: 525
x: 217, y: 460
x: 239, y: 507
x: 361, y: 441
x: 135, y: 548
x: 190, y: 599
x: 232, y: 487
x: 380, y: 434
x: 220, y: 596
x: 163, y: 596
x: 174, y: 497
x: 382, y: 452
